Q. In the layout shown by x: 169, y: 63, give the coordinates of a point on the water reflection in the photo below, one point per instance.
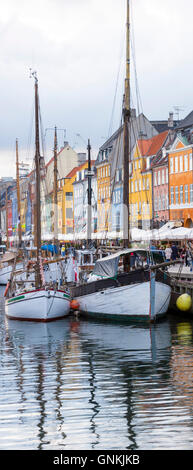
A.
x: 77, y: 384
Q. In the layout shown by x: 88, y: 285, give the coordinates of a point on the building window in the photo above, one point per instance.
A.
x: 160, y: 203
x: 163, y: 202
x: 155, y: 204
x: 166, y: 201
x: 131, y: 186
x: 190, y: 161
x: 163, y: 176
x: 171, y: 165
x: 166, y: 175
x: 176, y: 164
x: 155, y: 179
x: 191, y: 192
x: 159, y: 178
x: 176, y: 194
x: 185, y: 162
x: 69, y: 196
x: 148, y: 163
x: 136, y: 186
x: 186, y: 193
x: 181, y: 194
x: 139, y: 185
x: 181, y: 163
x: 147, y: 183
x: 172, y: 195
x: 69, y: 213
x: 139, y: 164
x: 139, y: 207
x: 144, y: 184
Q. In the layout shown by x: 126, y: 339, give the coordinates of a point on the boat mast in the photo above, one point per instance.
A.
x: 55, y: 190
x: 126, y: 117
x: 7, y: 229
x: 89, y: 196
x: 37, y: 173
x: 18, y: 195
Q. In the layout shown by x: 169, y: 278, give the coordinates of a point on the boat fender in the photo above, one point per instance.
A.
x: 184, y: 302
x: 48, y: 294
x: 74, y: 304
x: 6, y: 289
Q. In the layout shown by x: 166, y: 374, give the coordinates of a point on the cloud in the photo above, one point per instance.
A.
x: 77, y: 48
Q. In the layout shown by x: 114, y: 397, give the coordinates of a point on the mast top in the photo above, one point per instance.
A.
x: 34, y: 74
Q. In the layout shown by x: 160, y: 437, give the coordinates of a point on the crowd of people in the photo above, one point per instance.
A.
x: 173, y: 252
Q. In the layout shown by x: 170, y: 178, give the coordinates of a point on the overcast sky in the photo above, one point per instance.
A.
x: 77, y: 48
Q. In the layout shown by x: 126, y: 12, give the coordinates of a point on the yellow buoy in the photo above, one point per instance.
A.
x: 184, y: 302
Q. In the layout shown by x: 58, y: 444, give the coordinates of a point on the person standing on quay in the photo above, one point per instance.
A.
x: 168, y: 253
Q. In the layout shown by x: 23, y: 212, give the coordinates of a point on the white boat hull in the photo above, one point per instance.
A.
x: 127, y: 302
x: 38, y: 305
x: 5, y: 273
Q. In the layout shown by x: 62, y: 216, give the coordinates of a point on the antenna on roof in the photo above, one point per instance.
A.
x: 177, y: 110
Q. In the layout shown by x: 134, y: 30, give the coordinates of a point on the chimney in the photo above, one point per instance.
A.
x: 81, y: 158
x: 171, y: 120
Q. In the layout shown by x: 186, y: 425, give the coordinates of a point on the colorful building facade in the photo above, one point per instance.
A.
x: 181, y: 181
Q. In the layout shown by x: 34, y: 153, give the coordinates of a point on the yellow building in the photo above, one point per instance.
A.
x: 141, y: 190
x: 68, y: 198
x: 104, y: 195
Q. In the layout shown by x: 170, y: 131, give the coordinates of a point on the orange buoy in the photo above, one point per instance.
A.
x: 74, y: 304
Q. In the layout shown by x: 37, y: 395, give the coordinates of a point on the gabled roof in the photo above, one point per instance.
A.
x: 150, y: 147
x: 157, y: 143
x: 186, y: 122
x: 144, y: 146
x: 78, y: 168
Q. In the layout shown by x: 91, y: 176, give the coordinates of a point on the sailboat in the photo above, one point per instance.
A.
x: 38, y: 300
x: 121, y: 293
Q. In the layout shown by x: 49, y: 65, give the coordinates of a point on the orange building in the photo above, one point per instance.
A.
x: 181, y: 181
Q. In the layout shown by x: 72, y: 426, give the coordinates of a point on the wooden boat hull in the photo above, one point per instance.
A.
x: 130, y: 302
x: 38, y: 305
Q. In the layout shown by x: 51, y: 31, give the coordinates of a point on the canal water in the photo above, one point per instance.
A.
x: 74, y: 385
